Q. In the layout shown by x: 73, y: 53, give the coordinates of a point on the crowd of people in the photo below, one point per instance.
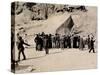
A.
x: 47, y: 41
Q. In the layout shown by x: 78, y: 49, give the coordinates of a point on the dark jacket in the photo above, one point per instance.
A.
x: 21, y: 43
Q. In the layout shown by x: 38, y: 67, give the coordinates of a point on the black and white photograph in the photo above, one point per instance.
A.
x: 48, y: 37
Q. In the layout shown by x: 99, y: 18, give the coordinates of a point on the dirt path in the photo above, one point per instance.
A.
x: 58, y: 59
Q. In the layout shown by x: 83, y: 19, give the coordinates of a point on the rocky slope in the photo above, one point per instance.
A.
x: 32, y: 18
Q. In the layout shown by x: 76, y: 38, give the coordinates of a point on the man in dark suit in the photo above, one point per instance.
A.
x: 88, y: 42
x: 21, y: 48
x: 92, y: 45
x: 46, y: 44
x: 39, y: 42
x: 50, y: 40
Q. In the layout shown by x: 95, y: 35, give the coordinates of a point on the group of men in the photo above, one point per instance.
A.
x: 56, y: 41
x: 43, y: 41
x: 46, y: 41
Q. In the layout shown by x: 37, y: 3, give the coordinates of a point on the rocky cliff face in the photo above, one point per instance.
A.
x: 40, y: 11
x: 31, y: 18
x: 36, y: 11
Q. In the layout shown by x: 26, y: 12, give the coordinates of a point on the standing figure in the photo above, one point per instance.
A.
x: 65, y: 41
x: 56, y: 40
x: 50, y: 40
x: 39, y: 42
x: 46, y: 44
x: 53, y: 42
x: 81, y: 43
x: 69, y: 41
x: 92, y: 45
x: 84, y: 42
x: 21, y: 48
x: 36, y: 41
x: 62, y: 42
x: 75, y: 42
x: 88, y: 42
x: 78, y: 41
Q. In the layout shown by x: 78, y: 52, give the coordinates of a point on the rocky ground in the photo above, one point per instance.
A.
x: 84, y: 21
